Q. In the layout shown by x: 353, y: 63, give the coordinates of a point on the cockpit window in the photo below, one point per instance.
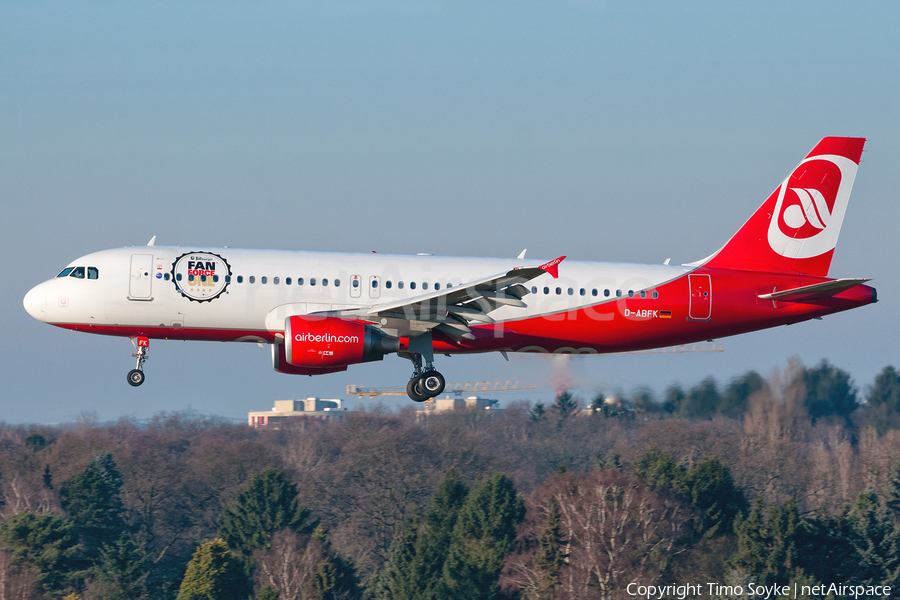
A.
x: 65, y: 272
x: 77, y: 273
x: 93, y: 273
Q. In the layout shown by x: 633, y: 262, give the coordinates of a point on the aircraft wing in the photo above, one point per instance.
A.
x: 452, y: 309
x: 815, y: 291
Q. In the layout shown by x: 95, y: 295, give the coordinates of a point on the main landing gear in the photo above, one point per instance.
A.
x: 425, y: 382
x: 142, y: 348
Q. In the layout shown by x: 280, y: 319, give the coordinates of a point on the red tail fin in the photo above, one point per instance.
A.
x: 796, y: 229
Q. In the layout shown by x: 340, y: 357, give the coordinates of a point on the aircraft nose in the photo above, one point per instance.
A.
x: 35, y: 302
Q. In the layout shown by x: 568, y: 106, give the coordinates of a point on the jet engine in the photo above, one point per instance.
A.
x: 328, y: 344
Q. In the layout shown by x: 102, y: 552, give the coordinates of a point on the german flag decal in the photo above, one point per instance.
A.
x: 665, y: 314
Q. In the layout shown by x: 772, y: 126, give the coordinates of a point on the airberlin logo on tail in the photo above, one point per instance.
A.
x: 810, y: 207
x: 327, y: 338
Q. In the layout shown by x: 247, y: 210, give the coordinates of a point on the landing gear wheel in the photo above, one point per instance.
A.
x: 414, y: 390
x: 432, y: 383
x: 135, y: 377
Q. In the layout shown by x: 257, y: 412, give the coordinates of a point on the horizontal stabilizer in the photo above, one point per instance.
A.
x: 815, y: 291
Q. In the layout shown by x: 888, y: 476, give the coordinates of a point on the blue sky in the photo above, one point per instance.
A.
x: 604, y: 131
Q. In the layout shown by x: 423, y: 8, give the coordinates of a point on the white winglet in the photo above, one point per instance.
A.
x: 152, y: 241
x: 522, y: 255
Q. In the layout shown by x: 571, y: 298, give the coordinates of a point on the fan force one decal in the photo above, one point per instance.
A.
x: 811, y: 206
x: 201, y: 276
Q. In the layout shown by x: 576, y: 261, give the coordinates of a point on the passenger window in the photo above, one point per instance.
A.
x: 387, y: 284
x: 78, y: 273
x: 356, y: 283
x: 93, y: 273
x: 618, y: 293
x: 412, y: 285
x: 216, y: 278
x: 178, y: 276
x: 631, y: 293
x: 400, y: 285
x: 312, y: 281
x: 594, y: 292
x: 65, y: 272
x: 571, y: 292
x: 166, y: 276
x: 582, y: 292
x: 264, y: 280
x: 252, y: 279
x: 425, y: 285
x: 276, y: 280
x: 287, y: 281
x: 337, y: 283
x: 643, y: 294
x: 240, y: 278
x: 203, y: 278
x: 606, y: 293
x: 375, y: 284
x: 449, y: 285
x: 324, y: 282
x: 655, y: 295
x: 299, y: 281
x: 534, y: 289
x: 437, y: 286
x: 227, y: 278
x: 546, y: 290
x: 559, y: 291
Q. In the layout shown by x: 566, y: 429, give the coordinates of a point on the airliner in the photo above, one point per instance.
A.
x: 323, y: 311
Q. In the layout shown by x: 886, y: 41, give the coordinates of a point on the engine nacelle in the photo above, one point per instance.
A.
x: 330, y: 342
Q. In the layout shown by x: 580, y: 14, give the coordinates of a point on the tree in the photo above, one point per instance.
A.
x: 214, y: 573
x: 335, y: 578
x: 886, y: 389
x: 48, y: 544
x: 398, y: 579
x: 267, y: 504
x: 550, y: 556
x: 733, y: 402
x: 121, y: 571
x: 565, y: 404
x: 286, y: 570
x: 712, y: 492
x: 482, y: 537
x: 434, y: 542
x: 829, y: 391
x: 92, y: 499
x: 537, y: 412
x: 660, y: 470
x: 876, y: 541
x: 770, y: 549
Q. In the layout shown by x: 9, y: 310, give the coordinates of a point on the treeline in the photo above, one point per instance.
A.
x: 789, y: 478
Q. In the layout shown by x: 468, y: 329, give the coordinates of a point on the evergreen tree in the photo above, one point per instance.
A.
x: 483, y: 535
x: 537, y: 412
x: 712, y: 492
x: 550, y: 556
x: 875, y: 538
x: 91, y: 498
x: 122, y: 571
x: 267, y: 504
x: 433, y: 544
x: 565, y: 404
x: 769, y: 549
x: 335, y: 577
x: 886, y: 389
x: 660, y: 470
x: 734, y: 400
x: 398, y: 580
x: 214, y: 574
x: 829, y: 391
x: 892, y: 493
x: 701, y: 402
x: 48, y: 544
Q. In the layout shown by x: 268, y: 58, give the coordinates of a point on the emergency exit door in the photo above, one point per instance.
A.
x: 700, y: 307
x: 141, y: 282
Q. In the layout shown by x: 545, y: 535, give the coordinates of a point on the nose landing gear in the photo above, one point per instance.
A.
x: 142, y: 347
